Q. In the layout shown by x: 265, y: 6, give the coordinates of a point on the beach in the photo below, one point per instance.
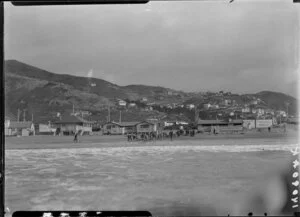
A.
x: 189, y: 175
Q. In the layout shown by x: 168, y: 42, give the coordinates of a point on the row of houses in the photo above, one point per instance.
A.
x: 67, y: 125
x: 114, y: 128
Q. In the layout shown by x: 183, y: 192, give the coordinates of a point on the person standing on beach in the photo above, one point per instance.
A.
x: 171, y: 135
x: 76, y: 137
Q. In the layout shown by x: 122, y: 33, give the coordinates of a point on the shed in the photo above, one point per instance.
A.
x: 25, y: 128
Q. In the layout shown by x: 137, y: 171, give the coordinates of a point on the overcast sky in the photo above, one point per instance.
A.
x: 245, y: 46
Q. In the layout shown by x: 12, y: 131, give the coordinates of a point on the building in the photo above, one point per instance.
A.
x: 227, y: 102
x: 214, y: 106
x: 17, y: 128
x: 207, y: 106
x: 190, y: 106
x: 220, y: 125
x: 112, y: 128
x: 8, y: 119
x: 145, y: 127
x: 128, y: 127
x: 144, y: 99
x: 122, y: 103
x: 132, y: 104
x: 245, y: 110
x: 69, y: 124
x: 45, y: 129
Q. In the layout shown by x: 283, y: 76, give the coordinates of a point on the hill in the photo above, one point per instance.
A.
x: 279, y: 101
x: 44, y: 93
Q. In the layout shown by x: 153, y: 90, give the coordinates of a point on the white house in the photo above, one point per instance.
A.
x: 169, y: 123
x: 144, y: 99
x: 122, y: 103
x: 214, y: 106
x: 190, y: 106
x: 20, y: 128
x: 132, y: 104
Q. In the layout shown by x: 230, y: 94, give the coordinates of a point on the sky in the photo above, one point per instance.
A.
x: 246, y: 46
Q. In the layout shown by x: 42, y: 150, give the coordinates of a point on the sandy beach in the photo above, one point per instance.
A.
x: 55, y: 142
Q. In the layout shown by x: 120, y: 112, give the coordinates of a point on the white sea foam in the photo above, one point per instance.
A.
x: 143, y: 150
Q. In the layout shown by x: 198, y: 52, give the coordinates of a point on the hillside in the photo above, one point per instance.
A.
x: 278, y: 101
x: 44, y: 94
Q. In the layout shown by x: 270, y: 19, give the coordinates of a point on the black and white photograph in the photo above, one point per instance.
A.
x: 179, y: 108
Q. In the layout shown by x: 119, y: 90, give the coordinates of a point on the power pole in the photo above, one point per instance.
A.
x: 73, y: 109
x: 24, y: 115
x: 120, y: 117
x: 108, y: 114
x: 18, y: 115
x: 32, y: 117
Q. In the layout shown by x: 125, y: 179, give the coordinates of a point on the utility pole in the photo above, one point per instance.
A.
x: 24, y: 115
x: 120, y: 117
x: 32, y: 117
x: 18, y: 115
x: 73, y: 109
x: 108, y: 114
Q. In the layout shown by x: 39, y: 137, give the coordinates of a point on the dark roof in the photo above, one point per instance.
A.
x: 145, y: 122
x: 71, y: 119
x: 10, y: 116
x: 128, y: 124
x: 16, y: 124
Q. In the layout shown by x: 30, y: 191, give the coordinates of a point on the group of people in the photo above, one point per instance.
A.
x: 153, y: 136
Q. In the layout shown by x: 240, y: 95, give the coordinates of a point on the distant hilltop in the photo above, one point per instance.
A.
x: 44, y: 94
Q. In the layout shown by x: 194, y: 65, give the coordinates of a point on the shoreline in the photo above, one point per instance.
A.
x: 63, y: 142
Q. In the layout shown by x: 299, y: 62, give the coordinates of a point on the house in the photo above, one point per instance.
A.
x: 17, y: 128
x: 122, y: 103
x: 145, y: 127
x: 128, y: 127
x: 158, y: 125
x: 214, y: 106
x: 207, y: 106
x: 227, y: 102
x: 132, y: 104
x: 245, y: 110
x: 8, y: 118
x: 190, y: 106
x: 221, y: 125
x: 112, y: 128
x: 144, y: 99
x: 169, y: 123
x: 45, y: 129
x: 69, y: 124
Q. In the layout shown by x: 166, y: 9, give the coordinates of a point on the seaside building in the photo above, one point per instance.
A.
x: 220, y: 125
x: 122, y: 103
x: 17, y: 128
x: 69, y: 124
x: 145, y: 127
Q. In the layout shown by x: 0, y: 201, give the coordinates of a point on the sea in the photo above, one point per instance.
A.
x: 197, y: 177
